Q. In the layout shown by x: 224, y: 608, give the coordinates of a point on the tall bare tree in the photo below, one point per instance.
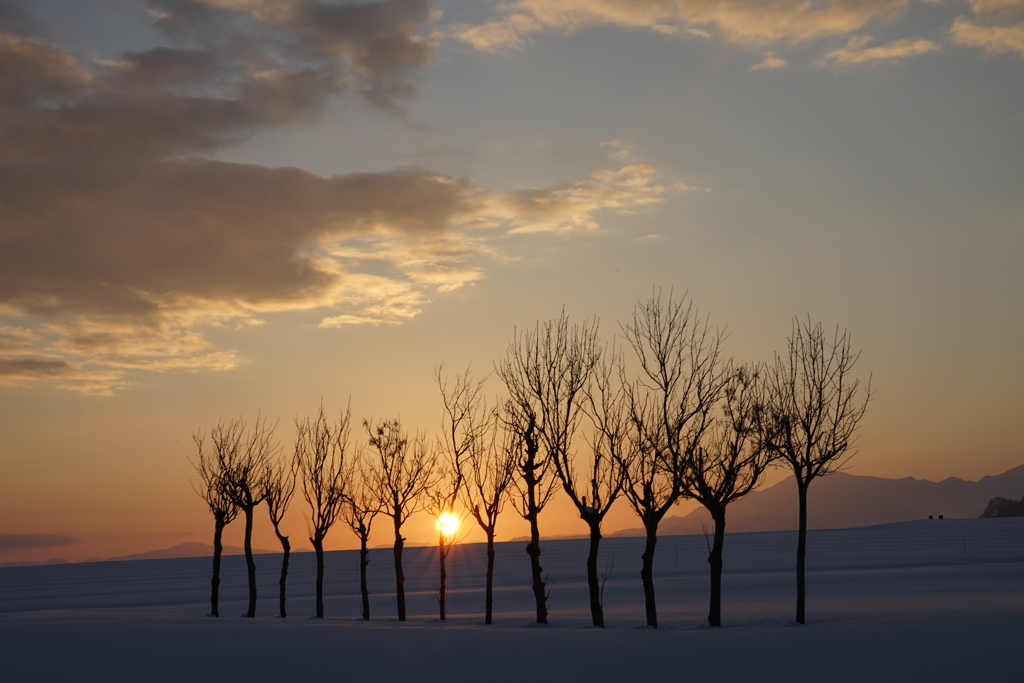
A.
x: 244, y: 471
x: 321, y: 449
x: 212, y: 489
x: 728, y: 463
x: 489, y: 470
x: 399, y: 476
x: 279, y: 485
x: 670, y: 408
x: 464, y: 425
x: 602, y: 479
x: 815, y: 406
x: 359, y: 510
x: 546, y: 371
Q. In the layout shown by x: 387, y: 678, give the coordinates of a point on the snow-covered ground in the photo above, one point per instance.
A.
x: 939, y: 600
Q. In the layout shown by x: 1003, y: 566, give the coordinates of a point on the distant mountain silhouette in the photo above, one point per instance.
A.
x: 845, y: 500
x: 190, y: 549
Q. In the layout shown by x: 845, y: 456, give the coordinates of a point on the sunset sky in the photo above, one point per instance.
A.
x: 210, y: 208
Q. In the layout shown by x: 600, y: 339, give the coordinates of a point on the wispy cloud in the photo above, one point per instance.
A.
x: 991, y: 39
x: 856, y: 51
x: 746, y: 22
x: 995, y: 29
x: 770, y: 61
x: 996, y: 6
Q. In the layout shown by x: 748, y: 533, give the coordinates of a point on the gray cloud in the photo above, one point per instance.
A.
x: 130, y: 243
x: 31, y: 367
x: 375, y: 41
x: 10, y: 542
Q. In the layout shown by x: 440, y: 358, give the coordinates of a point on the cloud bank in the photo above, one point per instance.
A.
x: 120, y: 239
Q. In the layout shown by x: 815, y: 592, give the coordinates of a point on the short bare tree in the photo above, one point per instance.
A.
x: 670, y: 409
x: 815, y: 405
x: 321, y: 449
x: 399, y: 474
x: 546, y: 371
x: 440, y: 504
x: 211, y: 488
x: 602, y: 478
x: 244, y: 472
x: 728, y: 463
x: 280, y: 487
x: 359, y: 510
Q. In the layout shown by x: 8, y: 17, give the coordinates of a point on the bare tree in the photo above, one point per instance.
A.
x: 244, y: 470
x: 670, y: 407
x: 464, y: 425
x: 358, y: 511
x: 279, y: 486
x: 610, y: 449
x: 321, y: 449
x: 489, y: 470
x: 399, y: 475
x: 440, y: 504
x: 728, y: 463
x: 546, y: 371
x: 815, y: 407
x: 209, y: 466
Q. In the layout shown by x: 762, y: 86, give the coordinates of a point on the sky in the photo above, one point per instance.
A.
x: 223, y: 208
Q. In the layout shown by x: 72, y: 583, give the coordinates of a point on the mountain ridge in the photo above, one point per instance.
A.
x: 843, y: 500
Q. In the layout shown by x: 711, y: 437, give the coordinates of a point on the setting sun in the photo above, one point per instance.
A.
x: 447, y: 523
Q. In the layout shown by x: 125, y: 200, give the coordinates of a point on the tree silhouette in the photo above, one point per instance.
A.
x: 244, y: 470
x: 320, y: 457
x: 399, y: 475
x: 212, y: 489
x: 815, y: 407
x: 464, y: 425
x: 279, y: 485
x: 546, y: 371
x: 611, y: 449
x: 670, y: 406
x: 489, y: 470
x: 728, y: 463
x: 358, y: 511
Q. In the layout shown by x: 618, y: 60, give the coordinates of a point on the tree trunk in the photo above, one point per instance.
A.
x: 647, y: 572
x: 596, y: 609
x: 715, y: 560
x: 318, y: 546
x: 399, y: 574
x: 250, y: 563
x: 441, y: 597
x: 218, y: 549
x: 283, y: 581
x: 364, y: 559
x: 533, y: 550
x: 801, y: 550
x: 489, y: 596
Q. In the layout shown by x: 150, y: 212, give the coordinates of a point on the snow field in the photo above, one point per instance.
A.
x: 938, y: 600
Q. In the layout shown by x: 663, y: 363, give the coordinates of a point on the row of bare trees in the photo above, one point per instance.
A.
x: 674, y: 420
